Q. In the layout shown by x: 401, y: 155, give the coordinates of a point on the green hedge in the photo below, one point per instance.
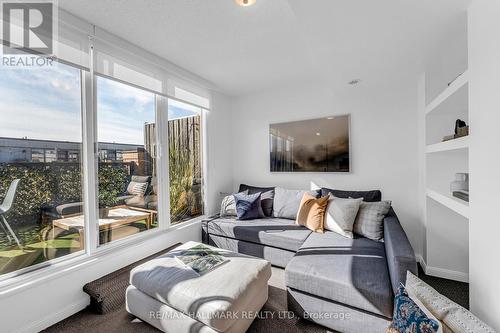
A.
x: 56, y: 183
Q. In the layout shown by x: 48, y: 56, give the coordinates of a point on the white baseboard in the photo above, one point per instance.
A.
x: 447, y: 274
x: 55, y: 317
x: 422, y: 262
x: 442, y: 272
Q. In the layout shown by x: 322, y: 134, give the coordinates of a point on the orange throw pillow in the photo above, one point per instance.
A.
x: 312, y: 212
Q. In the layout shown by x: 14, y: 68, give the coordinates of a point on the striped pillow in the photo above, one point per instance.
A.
x: 228, y: 205
x: 136, y: 188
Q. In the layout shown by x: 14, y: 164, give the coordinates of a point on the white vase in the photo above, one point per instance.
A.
x: 461, y: 182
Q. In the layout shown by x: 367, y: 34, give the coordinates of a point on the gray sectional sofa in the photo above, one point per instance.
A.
x: 344, y: 284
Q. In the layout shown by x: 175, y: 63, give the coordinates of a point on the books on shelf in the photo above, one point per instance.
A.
x: 201, y: 258
x: 463, y: 195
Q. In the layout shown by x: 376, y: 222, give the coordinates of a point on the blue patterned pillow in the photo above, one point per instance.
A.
x: 409, y: 318
x: 248, y: 206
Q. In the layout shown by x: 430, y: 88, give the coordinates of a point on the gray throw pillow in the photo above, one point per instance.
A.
x: 341, y: 214
x: 248, y: 206
x: 370, y: 220
x: 266, y: 199
x: 287, y: 202
x: 228, y: 205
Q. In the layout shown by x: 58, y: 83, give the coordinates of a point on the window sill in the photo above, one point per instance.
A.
x: 60, y: 268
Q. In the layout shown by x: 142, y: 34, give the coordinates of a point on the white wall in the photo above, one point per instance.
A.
x: 219, y: 153
x: 383, y: 141
x: 445, y: 240
x: 484, y: 228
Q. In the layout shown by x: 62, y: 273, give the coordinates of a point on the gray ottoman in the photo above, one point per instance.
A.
x: 173, y: 298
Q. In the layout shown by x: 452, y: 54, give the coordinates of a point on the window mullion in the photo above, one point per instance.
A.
x: 162, y: 162
x: 89, y: 157
x: 204, y: 159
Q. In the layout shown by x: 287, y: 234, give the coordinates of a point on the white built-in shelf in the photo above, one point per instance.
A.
x: 457, y: 205
x: 455, y: 95
x: 456, y: 144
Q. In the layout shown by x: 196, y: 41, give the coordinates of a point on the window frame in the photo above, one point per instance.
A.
x: 31, y: 272
x: 163, y: 217
x: 88, y: 158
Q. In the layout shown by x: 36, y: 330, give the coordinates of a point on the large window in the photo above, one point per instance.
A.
x: 127, y: 179
x: 92, y: 160
x: 41, y: 120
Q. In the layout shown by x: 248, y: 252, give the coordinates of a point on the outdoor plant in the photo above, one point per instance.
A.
x: 181, y: 168
x: 34, y: 189
x: 66, y: 182
x: 112, y: 183
x: 56, y: 183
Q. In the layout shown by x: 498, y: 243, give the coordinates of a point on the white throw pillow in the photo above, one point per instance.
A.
x: 427, y: 312
x: 453, y: 317
x: 228, y: 205
x: 341, y: 214
x: 137, y: 188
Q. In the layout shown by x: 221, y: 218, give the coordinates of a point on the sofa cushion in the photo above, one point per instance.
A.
x: 348, y: 271
x: 287, y: 202
x: 368, y: 196
x: 136, y: 201
x: 266, y: 199
x: 69, y: 208
x: 248, y: 206
x: 279, y: 233
x: 140, y: 179
x: 153, y: 205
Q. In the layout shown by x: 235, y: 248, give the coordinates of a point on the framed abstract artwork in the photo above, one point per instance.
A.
x: 314, y: 145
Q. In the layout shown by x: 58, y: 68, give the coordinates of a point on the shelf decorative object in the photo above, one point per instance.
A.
x: 462, y: 195
x: 460, y: 186
x: 461, y: 130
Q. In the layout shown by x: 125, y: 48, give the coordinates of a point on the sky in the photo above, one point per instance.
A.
x: 45, y: 104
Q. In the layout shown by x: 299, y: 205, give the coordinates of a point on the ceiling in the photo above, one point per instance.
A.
x: 275, y: 42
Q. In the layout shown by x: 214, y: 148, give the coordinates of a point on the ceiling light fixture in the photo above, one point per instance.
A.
x: 354, y: 82
x: 245, y: 3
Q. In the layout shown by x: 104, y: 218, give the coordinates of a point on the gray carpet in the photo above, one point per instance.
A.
x: 120, y: 321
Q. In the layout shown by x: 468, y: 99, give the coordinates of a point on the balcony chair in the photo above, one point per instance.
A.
x: 5, y: 207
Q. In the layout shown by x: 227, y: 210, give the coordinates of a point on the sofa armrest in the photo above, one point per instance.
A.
x: 400, y: 255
